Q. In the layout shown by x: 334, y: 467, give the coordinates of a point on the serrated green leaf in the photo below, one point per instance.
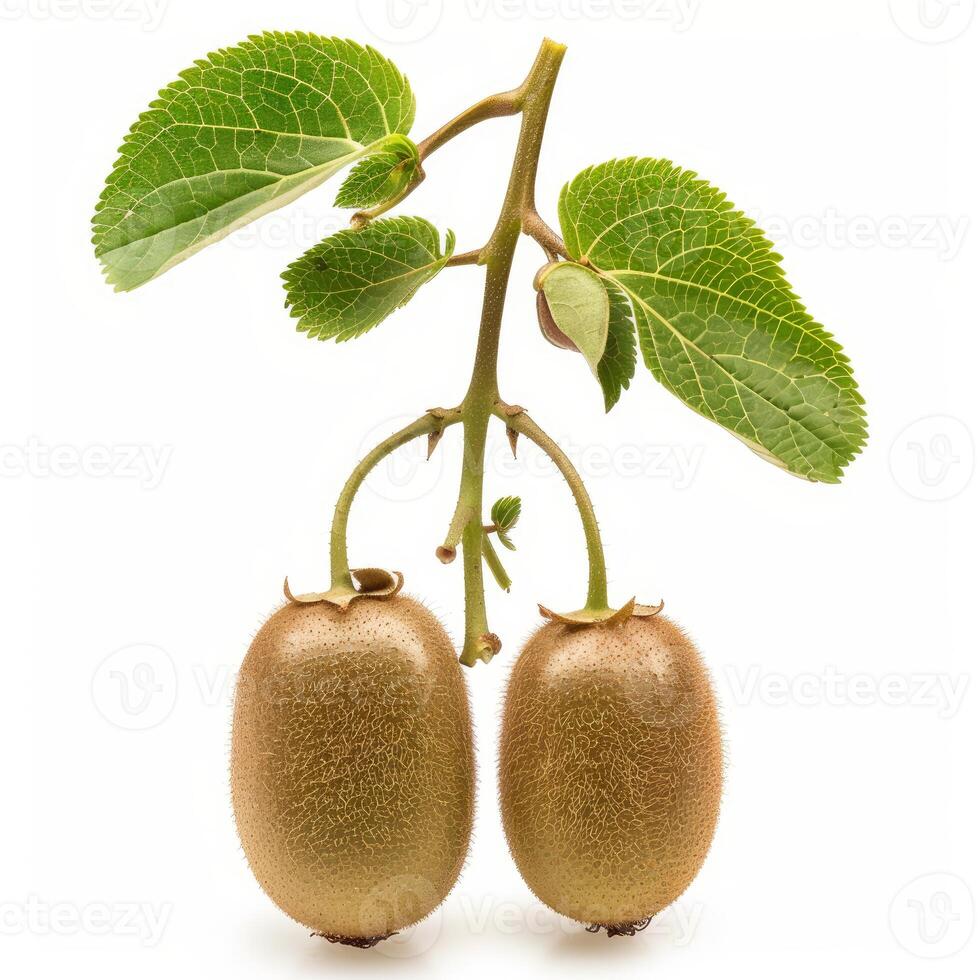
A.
x: 719, y: 325
x: 382, y: 175
x: 579, y: 305
x: 352, y: 280
x: 506, y: 512
x: 619, y: 359
x: 243, y: 132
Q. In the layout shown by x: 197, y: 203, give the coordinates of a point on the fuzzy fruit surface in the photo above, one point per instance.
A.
x: 352, y: 764
x: 610, y: 768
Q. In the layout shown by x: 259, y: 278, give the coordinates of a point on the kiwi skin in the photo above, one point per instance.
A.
x: 352, y: 770
x: 610, y: 769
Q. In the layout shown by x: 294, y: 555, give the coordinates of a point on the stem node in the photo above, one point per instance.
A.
x: 532, y: 100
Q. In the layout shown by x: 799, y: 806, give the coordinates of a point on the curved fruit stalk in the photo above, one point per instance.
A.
x: 610, y: 768
x: 352, y: 765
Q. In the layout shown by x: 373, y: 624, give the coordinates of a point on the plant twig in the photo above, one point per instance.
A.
x: 492, y: 107
x: 471, y: 257
x: 518, y: 215
x: 537, y: 228
x: 597, y: 599
x: 532, y: 98
x: 433, y: 421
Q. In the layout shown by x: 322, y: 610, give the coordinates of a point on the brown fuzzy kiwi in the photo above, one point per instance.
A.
x: 610, y: 769
x: 352, y: 765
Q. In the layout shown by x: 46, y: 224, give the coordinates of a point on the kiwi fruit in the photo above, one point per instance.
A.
x: 610, y: 768
x: 352, y: 770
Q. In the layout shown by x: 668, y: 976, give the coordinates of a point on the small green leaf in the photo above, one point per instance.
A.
x: 506, y: 541
x: 619, y: 358
x: 351, y: 281
x: 245, y: 131
x: 506, y: 512
x: 719, y: 325
x: 380, y: 176
x: 579, y: 305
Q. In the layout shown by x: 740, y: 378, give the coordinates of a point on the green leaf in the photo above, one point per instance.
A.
x: 619, y: 358
x: 718, y: 323
x: 506, y: 512
x: 506, y: 541
x: 579, y: 305
x: 243, y: 132
x: 382, y: 175
x: 352, y: 280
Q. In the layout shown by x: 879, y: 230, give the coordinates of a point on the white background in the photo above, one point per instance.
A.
x: 839, y: 621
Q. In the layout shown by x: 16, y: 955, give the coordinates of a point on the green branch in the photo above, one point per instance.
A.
x: 597, y: 599
x: 533, y: 98
x: 434, y: 421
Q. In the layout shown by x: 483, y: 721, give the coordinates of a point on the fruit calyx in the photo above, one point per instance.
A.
x: 625, y: 929
x: 608, y: 617
x: 369, y: 583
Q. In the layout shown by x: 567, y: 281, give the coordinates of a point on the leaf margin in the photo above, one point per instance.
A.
x: 856, y: 439
x: 302, y: 312
x: 124, y: 280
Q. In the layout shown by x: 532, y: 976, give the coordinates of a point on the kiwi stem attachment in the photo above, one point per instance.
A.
x: 435, y: 420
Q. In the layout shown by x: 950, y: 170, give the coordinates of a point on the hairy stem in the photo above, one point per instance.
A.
x: 340, y: 576
x: 471, y: 257
x: 533, y: 98
x: 597, y: 599
x: 493, y: 106
x: 552, y: 243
